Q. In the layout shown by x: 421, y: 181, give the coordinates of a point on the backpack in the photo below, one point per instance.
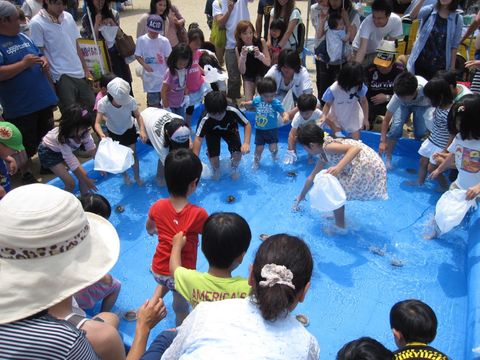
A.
x: 299, y: 36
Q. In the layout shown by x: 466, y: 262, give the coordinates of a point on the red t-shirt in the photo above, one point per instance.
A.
x: 169, y: 222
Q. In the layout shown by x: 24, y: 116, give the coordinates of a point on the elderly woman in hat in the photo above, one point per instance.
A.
x: 50, y: 249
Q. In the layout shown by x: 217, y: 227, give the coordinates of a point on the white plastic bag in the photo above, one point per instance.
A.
x: 288, y: 104
x: 327, y: 193
x: 451, y: 209
x: 112, y: 157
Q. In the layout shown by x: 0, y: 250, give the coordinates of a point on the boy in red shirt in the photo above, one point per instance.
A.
x: 169, y: 216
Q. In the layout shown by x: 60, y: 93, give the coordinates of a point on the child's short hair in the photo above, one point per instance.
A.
x: 382, y: 5
x: 182, y: 167
x: 463, y: 117
x: 310, y: 133
x: 266, y: 85
x: 291, y: 252
x: 438, y: 91
x: 364, y: 348
x: 278, y: 24
x: 449, y: 76
x: 105, y: 79
x: 415, y: 320
x: 333, y: 18
x: 215, y: 102
x: 405, y: 84
x: 289, y: 58
x: 97, y: 204
x: 351, y: 75
x: 225, y: 237
x: 195, y: 33
x: 307, y: 102
x: 208, y: 45
x: 180, y: 51
x: 169, y: 130
x: 209, y: 59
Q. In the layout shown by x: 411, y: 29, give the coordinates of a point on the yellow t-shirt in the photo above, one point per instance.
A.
x: 196, y: 286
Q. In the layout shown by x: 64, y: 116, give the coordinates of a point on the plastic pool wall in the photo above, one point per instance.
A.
x: 352, y: 288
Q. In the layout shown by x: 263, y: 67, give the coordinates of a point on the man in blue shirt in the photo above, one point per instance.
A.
x: 25, y: 91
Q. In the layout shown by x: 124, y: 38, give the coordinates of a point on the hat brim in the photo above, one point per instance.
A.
x: 32, y: 285
x: 154, y: 30
x: 382, y: 62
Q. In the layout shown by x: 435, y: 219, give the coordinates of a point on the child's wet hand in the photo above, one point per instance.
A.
x: 143, y: 137
x: 245, y: 148
x: 91, y: 184
x: 179, y: 240
x: 473, y: 192
x: 334, y: 170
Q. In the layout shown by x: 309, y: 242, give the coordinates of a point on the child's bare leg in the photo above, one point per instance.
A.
x: 257, y: 156
x: 249, y: 90
x: 136, y: 166
x: 68, y: 181
x: 160, y: 292
x: 422, y: 172
x: 110, y: 300
x: 442, y: 180
x: 356, y: 135
x: 126, y: 178
x: 340, y: 217
x: 273, y: 150
x: 180, y: 307
x: 236, y: 157
x: 215, y: 163
x: 160, y: 173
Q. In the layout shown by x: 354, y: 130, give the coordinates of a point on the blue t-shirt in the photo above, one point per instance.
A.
x: 266, y: 113
x: 30, y: 90
x: 4, y: 177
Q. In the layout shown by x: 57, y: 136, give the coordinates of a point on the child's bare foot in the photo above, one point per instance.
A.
x: 255, y: 165
x: 388, y: 163
x: 216, y: 174
x: 274, y: 156
x: 235, y: 174
x: 413, y: 183
x: 139, y: 180
x: 127, y: 180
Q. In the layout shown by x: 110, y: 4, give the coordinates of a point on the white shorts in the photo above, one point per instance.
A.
x: 428, y: 149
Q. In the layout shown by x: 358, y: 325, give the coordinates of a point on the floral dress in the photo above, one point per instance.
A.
x: 365, y: 178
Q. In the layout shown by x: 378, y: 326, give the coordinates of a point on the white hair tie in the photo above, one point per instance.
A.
x: 276, y: 274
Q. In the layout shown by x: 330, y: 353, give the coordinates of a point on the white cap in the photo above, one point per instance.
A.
x: 120, y: 91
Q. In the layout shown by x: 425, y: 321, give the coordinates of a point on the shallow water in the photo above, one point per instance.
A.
x: 352, y: 288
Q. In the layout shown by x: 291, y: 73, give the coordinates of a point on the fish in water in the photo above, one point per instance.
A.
x: 119, y: 209
x: 377, y: 250
x: 230, y: 199
x: 292, y: 174
x: 302, y: 319
x: 396, y: 263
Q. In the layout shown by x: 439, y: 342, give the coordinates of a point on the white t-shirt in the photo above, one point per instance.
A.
x: 393, y: 30
x: 298, y: 121
x: 60, y: 43
x: 467, y: 161
x: 295, y: 15
x: 154, y: 120
x: 119, y: 119
x: 300, y: 84
x: 155, y: 53
x: 239, y: 13
x: 237, y: 328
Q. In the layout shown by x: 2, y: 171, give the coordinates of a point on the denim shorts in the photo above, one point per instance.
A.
x: 263, y: 137
x: 49, y: 158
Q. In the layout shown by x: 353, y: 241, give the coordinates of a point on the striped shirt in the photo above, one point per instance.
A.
x: 475, y: 87
x: 44, y: 338
x: 439, y: 135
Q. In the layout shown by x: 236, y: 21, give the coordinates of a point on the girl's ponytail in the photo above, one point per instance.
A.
x: 282, y: 268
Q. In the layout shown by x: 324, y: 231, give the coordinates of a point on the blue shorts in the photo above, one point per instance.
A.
x: 49, y: 158
x: 263, y: 137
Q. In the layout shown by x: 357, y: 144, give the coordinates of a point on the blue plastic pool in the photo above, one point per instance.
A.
x: 352, y: 288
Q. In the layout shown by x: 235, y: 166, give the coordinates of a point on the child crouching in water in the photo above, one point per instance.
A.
x: 346, y: 106
x: 58, y: 145
x: 266, y: 123
x: 359, y: 169
x: 116, y: 109
x: 168, y: 217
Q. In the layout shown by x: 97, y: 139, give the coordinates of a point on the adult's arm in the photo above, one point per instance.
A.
x: 416, y: 9
x: 8, y: 72
x: 290, y: 28
x: 223, y: 18
x: 362, y: 50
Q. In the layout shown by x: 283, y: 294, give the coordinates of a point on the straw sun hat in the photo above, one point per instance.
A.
x: 49, y: 249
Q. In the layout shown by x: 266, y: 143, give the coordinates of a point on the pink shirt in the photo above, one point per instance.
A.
x: 175, y: 91
x: 195, y: 78
x: 97, y: 99
x: 51, y: 141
